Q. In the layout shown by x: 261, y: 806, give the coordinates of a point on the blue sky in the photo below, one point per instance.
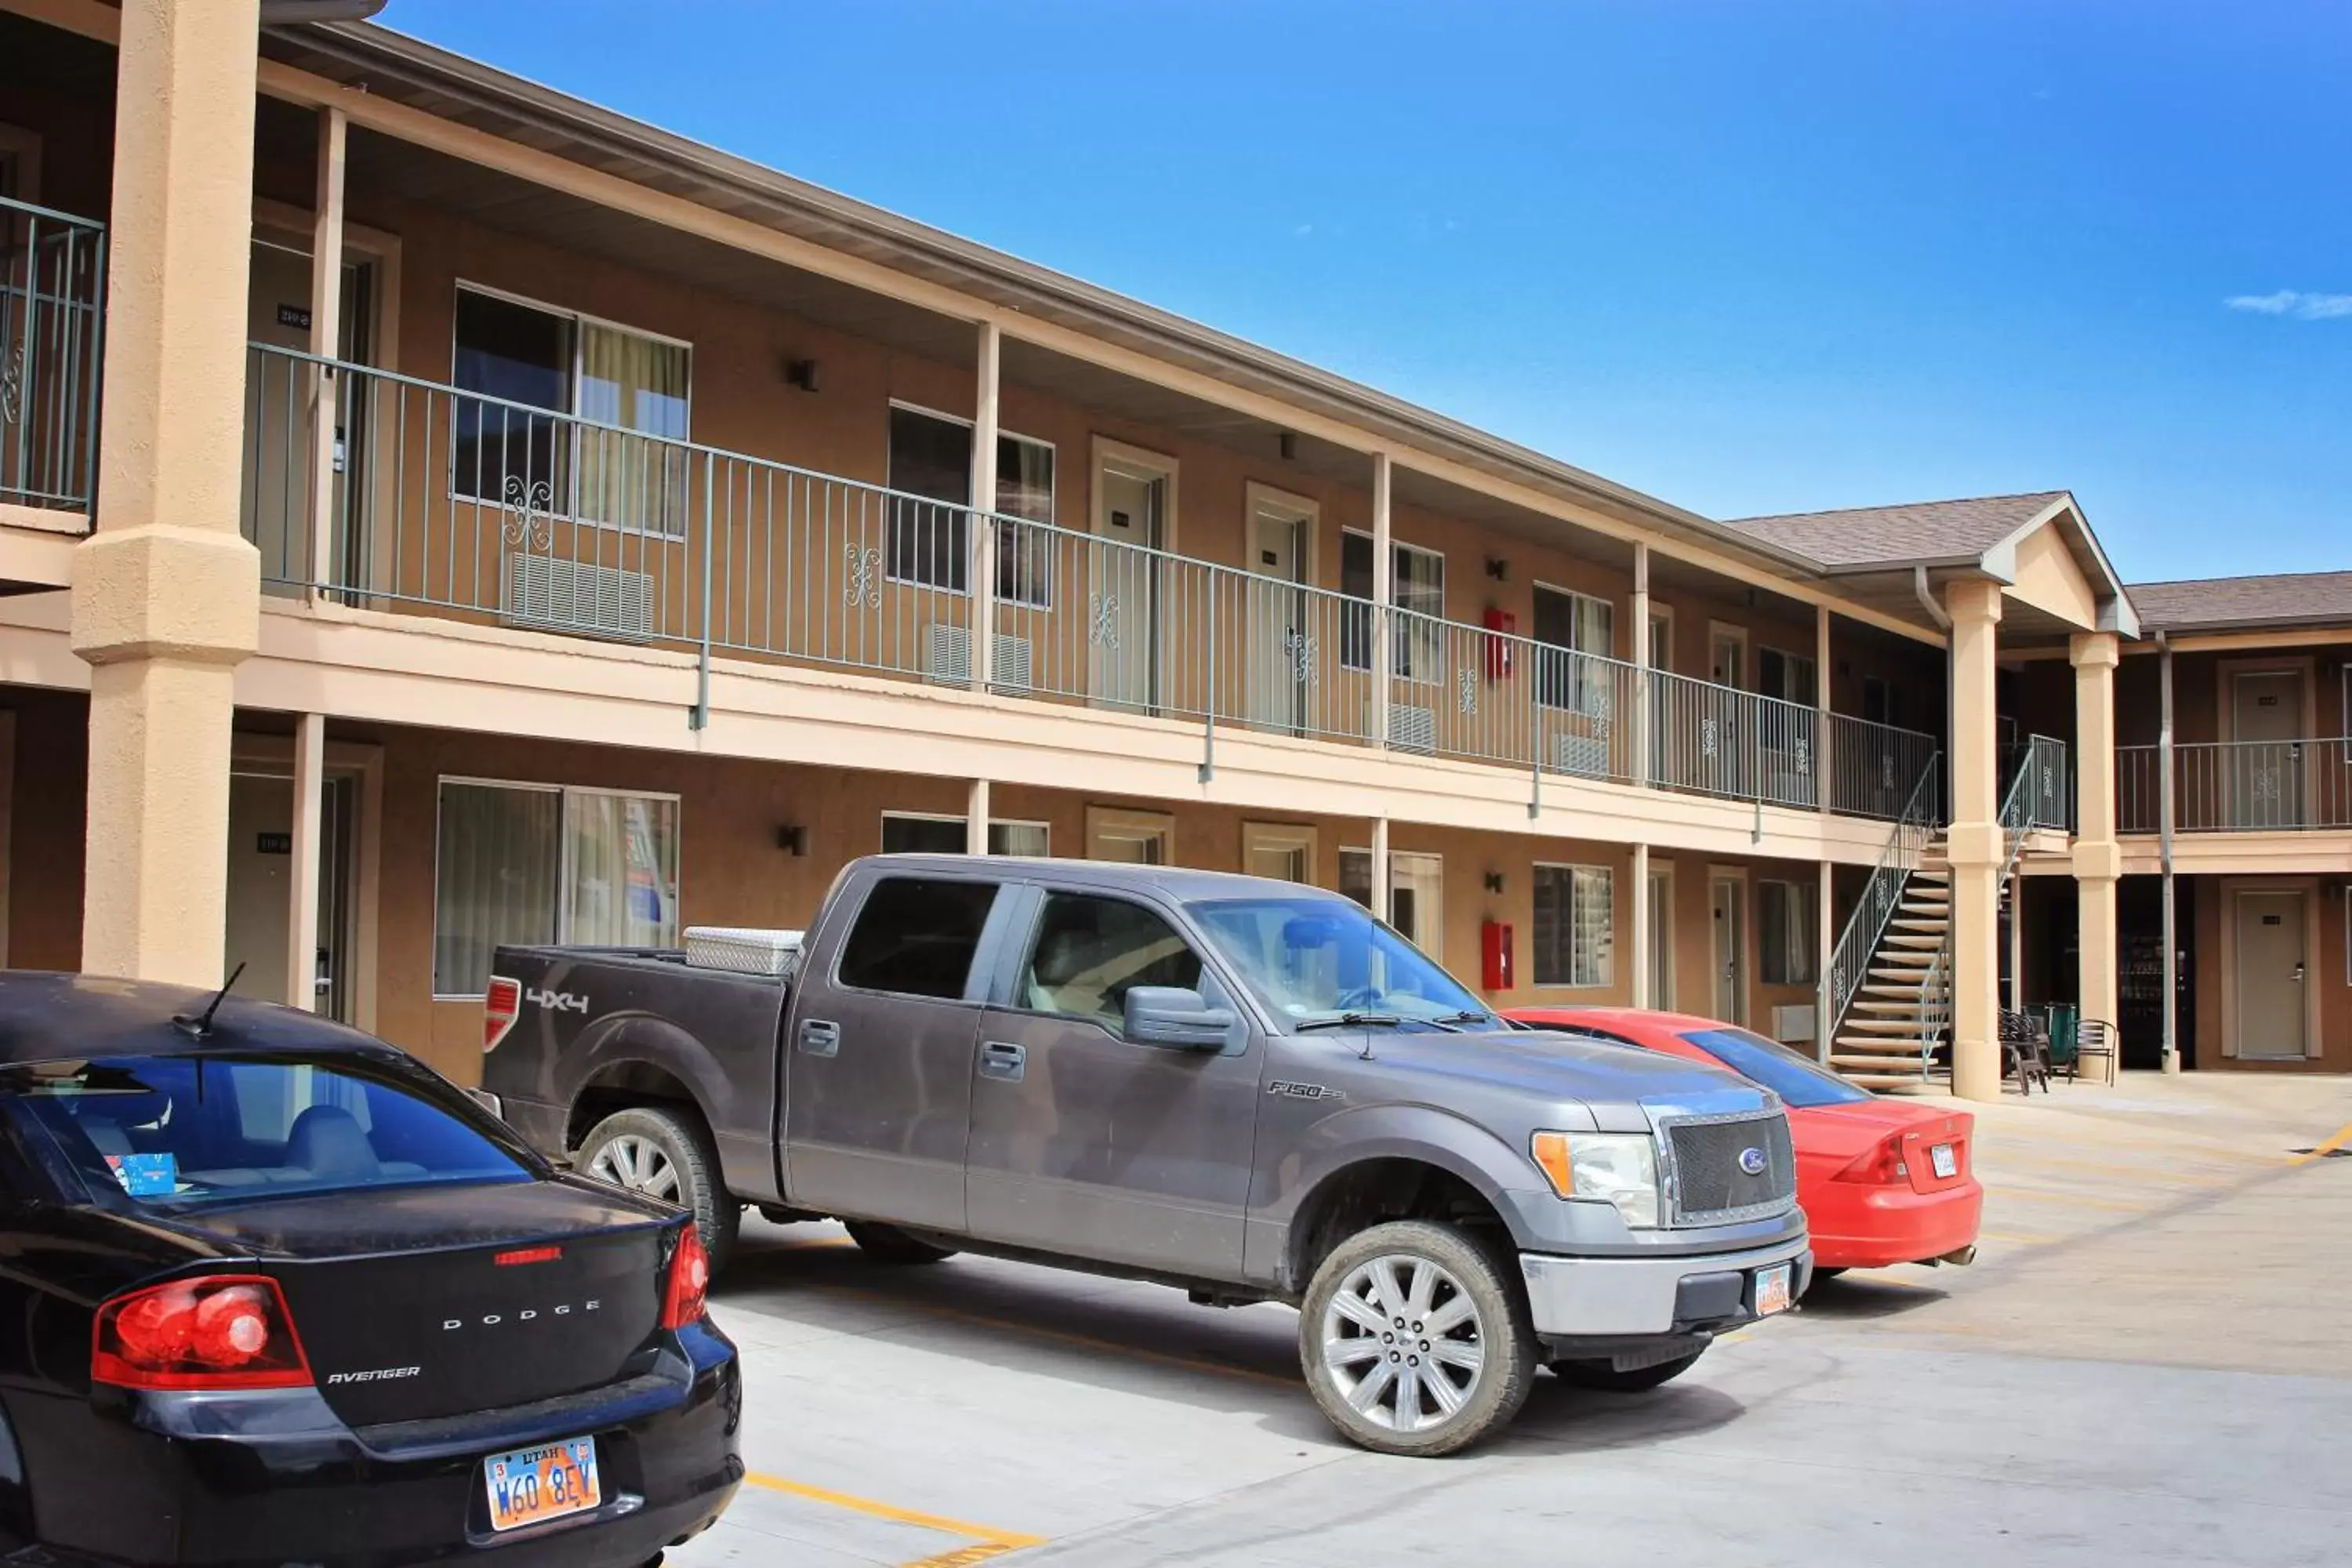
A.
x: 1748, y: 255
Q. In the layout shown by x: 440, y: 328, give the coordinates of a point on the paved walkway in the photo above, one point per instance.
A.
x: 2148, y: 1365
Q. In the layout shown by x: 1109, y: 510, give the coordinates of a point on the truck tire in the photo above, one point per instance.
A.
x: 888, y: 1244
x: 1602, y: 1376
x: 666, y: 1154
x: 1415, y: 1338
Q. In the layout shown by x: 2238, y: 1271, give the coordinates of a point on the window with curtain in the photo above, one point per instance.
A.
x: 1417, y: 583
x: 931, y: 466
x: 1788, y: 916
x: 529, y: 863
x: 1584, y: 629
x: 1575, y: 933
x: 1787, y: 676
x: 908, y: 833
x: 1416, y: 893
x: 634, y: 477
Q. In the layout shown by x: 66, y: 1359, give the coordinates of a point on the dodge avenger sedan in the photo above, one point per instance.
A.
x: 276, y: 1293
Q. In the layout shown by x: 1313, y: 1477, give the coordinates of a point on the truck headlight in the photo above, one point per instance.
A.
x: 1621, y: 1168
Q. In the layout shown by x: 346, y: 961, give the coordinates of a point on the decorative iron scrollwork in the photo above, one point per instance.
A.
x: 1301, y: 648
x: 530, y: 513
x: 863, y: 587
x: 12, y: 385
x: 1102, y: 620
x: 1465, y: 690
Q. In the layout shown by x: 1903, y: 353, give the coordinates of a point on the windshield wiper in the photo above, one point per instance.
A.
x: 1466, y: 1015
x: 1349, y: 1021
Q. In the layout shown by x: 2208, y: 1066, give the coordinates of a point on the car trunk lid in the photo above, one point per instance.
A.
x: 430, y: 1302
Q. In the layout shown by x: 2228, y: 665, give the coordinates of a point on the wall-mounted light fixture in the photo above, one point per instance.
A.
x: 1498, y: 569
x: 791, y: 838
x: 801, y: 373
x: 1494, y: 881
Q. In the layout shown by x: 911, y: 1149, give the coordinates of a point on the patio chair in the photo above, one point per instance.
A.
x: 2096, y: 1038
x: 2025, y: 1050
x: 2064, y: 1023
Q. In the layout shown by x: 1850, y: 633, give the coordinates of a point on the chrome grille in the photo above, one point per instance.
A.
x: 1709, y: 1186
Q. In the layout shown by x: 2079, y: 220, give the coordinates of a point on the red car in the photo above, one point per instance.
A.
x: 1881, y: 1181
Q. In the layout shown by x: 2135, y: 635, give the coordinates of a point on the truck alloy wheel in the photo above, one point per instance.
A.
x: 666, y: 1154
x: 1413, y: 1340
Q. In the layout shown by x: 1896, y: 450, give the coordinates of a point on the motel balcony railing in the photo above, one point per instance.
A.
x: 2237, y: 786
x: 52, y: 309
x: 430, y: 499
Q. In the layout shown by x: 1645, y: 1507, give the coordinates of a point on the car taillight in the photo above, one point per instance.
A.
x: 501, y: 1007
x: 1881, y: 1165
x: 217, y: 1331
x: 689, y: 1280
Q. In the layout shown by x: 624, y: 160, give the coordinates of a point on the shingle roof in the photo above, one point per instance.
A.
x: 1900, y: 535
x: 2215, y: 602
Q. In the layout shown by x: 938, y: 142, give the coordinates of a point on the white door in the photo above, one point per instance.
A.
x: 2266, y: 758
x: 1122, y: 607
x: 1280, y: 659
x: 1728, y: 897
x: 276, y: 488
x: 1417, y: 901
x: 2274, y: 977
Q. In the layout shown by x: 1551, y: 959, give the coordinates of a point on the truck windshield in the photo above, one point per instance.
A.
x: 1322, y: 960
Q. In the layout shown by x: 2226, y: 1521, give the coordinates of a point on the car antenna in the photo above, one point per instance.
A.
x: 200, y: 1024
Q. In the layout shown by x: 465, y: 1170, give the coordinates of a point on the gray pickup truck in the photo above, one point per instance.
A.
x: 1249, y: 1089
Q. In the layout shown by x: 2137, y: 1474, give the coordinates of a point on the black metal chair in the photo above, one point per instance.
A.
x: 2025, y: 1050
x: 2096, y: 1038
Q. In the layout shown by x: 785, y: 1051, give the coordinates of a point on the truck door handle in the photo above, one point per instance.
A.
x: 820, y: 1039
x: 1003, y: 1061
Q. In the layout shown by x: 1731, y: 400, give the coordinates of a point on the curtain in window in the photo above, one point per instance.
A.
x: 1595, y: 927
x: 639, y: 384
x: 1420, y: 588
x: 1575, y: 925
x: 1787, y: 915
x: 624, y: 859
x: 1022, y: 838
x: 499, y: 861
x: 1025, y: 489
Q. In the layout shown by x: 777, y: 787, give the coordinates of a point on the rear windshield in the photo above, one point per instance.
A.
x: 1798, y: 1080
x: 175, y: 1132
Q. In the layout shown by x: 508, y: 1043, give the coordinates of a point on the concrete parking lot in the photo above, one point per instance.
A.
x: 2150, y: 1363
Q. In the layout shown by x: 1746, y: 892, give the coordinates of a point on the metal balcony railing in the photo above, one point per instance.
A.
x: 2237, y: 786
x: 481, y: 508
x: 2041, y: 794
x: 52, y: 315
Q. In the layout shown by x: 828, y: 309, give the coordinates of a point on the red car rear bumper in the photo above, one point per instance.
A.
x: 1859, y: 1226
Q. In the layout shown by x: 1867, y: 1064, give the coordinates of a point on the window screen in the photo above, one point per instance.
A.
x: 916, y: 937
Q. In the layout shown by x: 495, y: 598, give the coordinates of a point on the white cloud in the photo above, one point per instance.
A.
x: 2294, y: 302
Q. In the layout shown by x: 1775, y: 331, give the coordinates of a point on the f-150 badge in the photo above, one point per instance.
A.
x: 1290, y: 1090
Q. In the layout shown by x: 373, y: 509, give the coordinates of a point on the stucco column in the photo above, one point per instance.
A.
x: 975, y: 819
x: 990, y: 354
x: 2098, y: 858
x: 166, y: 594
x: 1383, y: 622
x: 1975, y: 840
x: 1640, y: 946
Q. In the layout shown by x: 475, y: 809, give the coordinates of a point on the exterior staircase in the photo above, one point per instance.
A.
x: 1899, y: 1013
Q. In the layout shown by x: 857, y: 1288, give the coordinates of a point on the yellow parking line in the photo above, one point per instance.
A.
x: 999, y: 1541
x: 2343, y: 1137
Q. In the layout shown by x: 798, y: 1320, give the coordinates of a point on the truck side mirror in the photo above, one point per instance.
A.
x: 1178, y: 1018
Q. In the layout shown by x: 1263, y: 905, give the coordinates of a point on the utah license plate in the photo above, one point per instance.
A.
x: 1772, y: 1288
x: 1946, y: 1163
x: 531, y: 1486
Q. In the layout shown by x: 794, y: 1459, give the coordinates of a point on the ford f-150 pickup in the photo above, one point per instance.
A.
x: 1249, y: 1089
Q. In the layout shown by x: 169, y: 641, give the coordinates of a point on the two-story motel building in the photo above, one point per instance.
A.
x: 436, y: 511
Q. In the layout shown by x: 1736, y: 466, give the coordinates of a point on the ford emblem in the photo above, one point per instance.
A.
x: 1752, y: 1160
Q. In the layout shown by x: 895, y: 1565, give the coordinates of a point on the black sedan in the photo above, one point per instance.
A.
x: 272, y: 1292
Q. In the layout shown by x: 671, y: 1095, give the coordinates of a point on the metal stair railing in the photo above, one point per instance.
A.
x: 1935, y: 1010
x: 1857, y: 945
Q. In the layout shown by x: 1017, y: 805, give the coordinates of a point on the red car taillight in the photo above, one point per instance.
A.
x: 690, y: 1282
x: 501, y: 1007
x: 1883, y: 1165
x: 217, y: 1331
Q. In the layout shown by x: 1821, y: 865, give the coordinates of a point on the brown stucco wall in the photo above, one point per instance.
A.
x: 2329, y: 959
x: 49, y: 798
